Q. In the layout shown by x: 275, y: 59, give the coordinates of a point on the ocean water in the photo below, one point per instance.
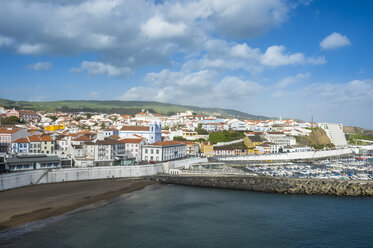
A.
x: 180, y: 216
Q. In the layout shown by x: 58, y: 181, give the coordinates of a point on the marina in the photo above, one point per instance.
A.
x: 349, y: 168
x: 344, y: 169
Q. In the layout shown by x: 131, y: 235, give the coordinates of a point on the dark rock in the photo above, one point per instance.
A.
x: 274, y: 184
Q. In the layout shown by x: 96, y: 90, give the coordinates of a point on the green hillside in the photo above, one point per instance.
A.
x: 122, y: 107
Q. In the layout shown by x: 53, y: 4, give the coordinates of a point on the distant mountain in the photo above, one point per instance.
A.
x: 123, y: 107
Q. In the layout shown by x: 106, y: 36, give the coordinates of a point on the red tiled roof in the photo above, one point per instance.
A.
x: 21, y: 140
x: 34, y: 138
x: 275, y: 132
x: 187, y: 142
x: 116, y: 137
x: 84, y: 132
x: 135, y: 128
x: 130, y: 140
x: 107, y: 142
x: 166, y: 143
x: 9, y: 130
x: 46, y: 138
x: 27, y: 112
x: 82, y: 138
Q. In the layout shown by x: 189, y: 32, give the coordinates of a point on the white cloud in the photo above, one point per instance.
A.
x: 317, y: 60
x: 157, y: 28
x: 344, y: 102
x: 222, y: 55
x: 243, y: 19
x: 275, y: 56
x: 5, y: 41
x: 40, y: 66
x: 200, y: 87
x: 94, y: 94
x: 349, y: 103
x: 132, y: 33
x: 355, y: 92
x: 29, y: 48
x: 99, y: 68
x: 334, y: 41
x: 292, y: 79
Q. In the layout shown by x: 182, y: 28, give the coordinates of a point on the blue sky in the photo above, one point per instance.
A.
x: 296, y: 59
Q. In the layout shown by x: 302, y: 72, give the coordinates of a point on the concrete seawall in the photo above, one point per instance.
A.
x: 274, y: 184
x: 32, y: 177
x: 21, y: 179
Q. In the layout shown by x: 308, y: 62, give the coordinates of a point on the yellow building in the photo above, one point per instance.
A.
x: 55, y: 127
x: 207, y: 149
x: 251, y: 142
x: 47, y: 144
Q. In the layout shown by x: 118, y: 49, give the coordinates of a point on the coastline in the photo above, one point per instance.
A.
x: 23, y: 205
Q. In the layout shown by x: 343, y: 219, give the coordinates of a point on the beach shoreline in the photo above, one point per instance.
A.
x: 23, y: 205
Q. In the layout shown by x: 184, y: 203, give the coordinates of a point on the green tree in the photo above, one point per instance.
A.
x: 179, y: 138
x: 52, y: 117
x: 226, y: 136
x: 201, y: 131
x: 11, y: 120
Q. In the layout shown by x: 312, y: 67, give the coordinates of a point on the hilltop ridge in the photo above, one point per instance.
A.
x: 123, y: 107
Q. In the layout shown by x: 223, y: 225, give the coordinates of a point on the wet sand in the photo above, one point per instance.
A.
x: 23, y: 205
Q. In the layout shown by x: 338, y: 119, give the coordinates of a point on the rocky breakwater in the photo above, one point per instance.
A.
x: 274, y: 184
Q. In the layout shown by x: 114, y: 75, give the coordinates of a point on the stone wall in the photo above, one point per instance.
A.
x: 274, y: 184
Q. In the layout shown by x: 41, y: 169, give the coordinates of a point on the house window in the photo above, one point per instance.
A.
x: 146, y: 151
x: 157, y: 151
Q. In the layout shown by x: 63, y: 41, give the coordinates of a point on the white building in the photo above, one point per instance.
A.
x: 335, y: 133
x: 297, y: 148
x: 8, y: 135
x: 133, y: 147
x: 237, y: 125
x: 152, y: 133
x: 163, y: 151
x: 280, y: 139
x: 109, y: 132
x: 102, y: 152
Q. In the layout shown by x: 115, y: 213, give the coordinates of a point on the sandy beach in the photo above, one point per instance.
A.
x: 23, y: 205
